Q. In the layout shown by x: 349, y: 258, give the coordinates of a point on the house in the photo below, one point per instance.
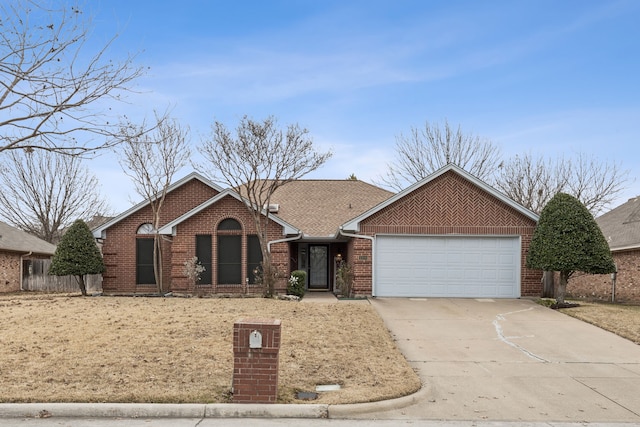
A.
x: 449, y: 235
x: 17, y: 248
x: 621, y: 228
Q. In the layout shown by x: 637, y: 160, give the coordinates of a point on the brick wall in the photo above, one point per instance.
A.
x: 119, y: 248
x: 206, y: 222
x: 9, y: 272
x: 10, y: 278
x: 599, y: 286
x: 255, y: 370
x: 449, y: 204
x: 359, y: 255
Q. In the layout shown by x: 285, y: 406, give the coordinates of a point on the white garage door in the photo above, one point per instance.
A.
x: 447, y: 266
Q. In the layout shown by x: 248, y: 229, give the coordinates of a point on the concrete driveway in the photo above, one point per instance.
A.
x: 511, y: 360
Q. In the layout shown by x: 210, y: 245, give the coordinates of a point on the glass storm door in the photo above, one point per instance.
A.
x: 318, y: 267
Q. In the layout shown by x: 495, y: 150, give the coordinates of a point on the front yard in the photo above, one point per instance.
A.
x: 107, y: 349
x: 623, y: 320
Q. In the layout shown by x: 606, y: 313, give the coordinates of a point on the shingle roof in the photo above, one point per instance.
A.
x: 319, y: 207
x: 13, y: 239
x: 621, y: 226
x: 170, y: 227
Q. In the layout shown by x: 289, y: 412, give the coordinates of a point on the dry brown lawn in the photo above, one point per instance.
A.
x: 623, y: 320
x: 107, y: 349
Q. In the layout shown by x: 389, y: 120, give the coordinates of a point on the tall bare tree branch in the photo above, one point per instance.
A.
x: 257, y: 160
x: 51, y: 85
x: 427, y: 149
x: 533, y: 181
x: 151, y: 160
x: 43, y: 192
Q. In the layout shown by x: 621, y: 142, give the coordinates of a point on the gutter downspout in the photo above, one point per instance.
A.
x: 22, y: 269
x: 373, y: 244
x: 286, y: 239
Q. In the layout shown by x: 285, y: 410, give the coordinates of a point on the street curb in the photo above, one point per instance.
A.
x: 160, y: 410
x: 345, y: 411
x: 212, y: 410
x: 276, y: 410
x: 101, y: 410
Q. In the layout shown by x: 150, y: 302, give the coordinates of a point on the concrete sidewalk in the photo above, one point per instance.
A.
x: 511, y: 360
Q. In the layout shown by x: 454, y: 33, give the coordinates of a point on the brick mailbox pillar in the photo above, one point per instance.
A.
x: 256, y: 347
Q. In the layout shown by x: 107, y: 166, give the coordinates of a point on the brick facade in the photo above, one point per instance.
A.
x: 119, y: 246
x: 599, y: 286
x: 9, y: 272
x: 360, y: 256
x: 449, y: 204
x: 183, y: 248
x: 255, y: 369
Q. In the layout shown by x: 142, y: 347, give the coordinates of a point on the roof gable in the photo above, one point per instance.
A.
x: 319, y: 207
x: 621, y: 225
x: 16, y: 240
x: 99, y: 232
x: 354, y: 224
x: 169, y: 228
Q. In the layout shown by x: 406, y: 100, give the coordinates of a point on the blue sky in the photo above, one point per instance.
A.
x: 546, y: 77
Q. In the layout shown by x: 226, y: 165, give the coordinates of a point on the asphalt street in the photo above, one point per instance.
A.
x: 243, y: 422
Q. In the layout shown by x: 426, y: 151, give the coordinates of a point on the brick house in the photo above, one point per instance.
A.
x: 621, y: 228
x: 447, y: 235
x: 17, y: 248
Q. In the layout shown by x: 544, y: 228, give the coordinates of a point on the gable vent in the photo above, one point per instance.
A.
x: 274, y: 208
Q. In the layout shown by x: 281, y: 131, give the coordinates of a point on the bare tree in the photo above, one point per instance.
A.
x: 533, y: 181
x: 257, y: 160
x: 50, y: 86
x: 151, y: 160
x: 43, y: 192
x: 426, y: 150
x: 595, y: 182
x: 530, y: 181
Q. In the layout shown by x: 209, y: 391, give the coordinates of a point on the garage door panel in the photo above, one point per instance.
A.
x: 456, y: 266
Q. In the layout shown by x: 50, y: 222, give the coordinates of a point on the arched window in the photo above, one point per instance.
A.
x: 229, y: 224
x: 232, y: 265
x: 146, y: 228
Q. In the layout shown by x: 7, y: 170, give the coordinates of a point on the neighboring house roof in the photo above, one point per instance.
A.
x: 318, y: 207
x: 621, y: 225
x: 354, y: 224
x: 15, y: 240
x: 98, y: 232
x: 169, y: 228
x: 97, y: 221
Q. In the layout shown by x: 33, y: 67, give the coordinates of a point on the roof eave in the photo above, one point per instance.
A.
x: 635, y: 246
x: 100, y: 232
x: 170, y: 228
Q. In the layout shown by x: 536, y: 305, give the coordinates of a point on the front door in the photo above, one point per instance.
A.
x: 319, y: 267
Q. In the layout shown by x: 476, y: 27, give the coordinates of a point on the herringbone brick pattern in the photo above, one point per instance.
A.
x: 449, y: 201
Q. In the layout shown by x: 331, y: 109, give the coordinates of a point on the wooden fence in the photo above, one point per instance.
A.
x: 35, y: 277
